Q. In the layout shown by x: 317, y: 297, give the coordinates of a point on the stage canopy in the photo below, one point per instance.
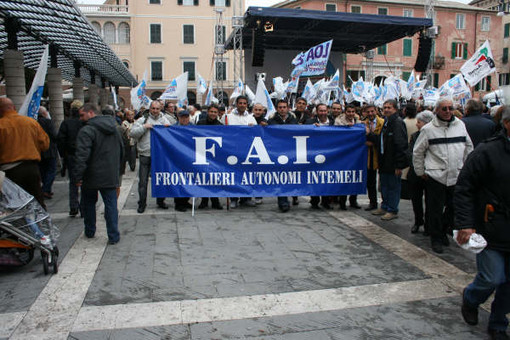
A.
x: 298, y: 29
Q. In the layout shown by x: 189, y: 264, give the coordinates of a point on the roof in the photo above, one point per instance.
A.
x: 60, y: 22
x: 298, y: 29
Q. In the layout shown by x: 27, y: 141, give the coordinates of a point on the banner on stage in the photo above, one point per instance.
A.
x: 254, y: 161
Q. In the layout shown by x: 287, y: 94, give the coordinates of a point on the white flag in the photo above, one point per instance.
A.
x: 138, y: 93
x: 238, y: 89
x: 309, y: 91
x: 114, y: 94
x: 262, y: 97
x: 30, y: 106
x: 292, y: 87
x: 250, y: 94
x: 210, y: 98
x: 201, y: 84
x: 177, y: 89
x: 334, y: 83
x: 280, y: 88
x: 480, y: 65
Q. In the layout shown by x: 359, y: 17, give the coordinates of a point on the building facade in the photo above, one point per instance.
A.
x: 166, y: 38
x: 461, y: 29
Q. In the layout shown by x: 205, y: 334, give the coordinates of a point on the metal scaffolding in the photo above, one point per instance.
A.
x: 237, y: 29
x: 219, y: 52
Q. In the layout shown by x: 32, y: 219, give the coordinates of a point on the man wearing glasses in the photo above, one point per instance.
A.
x: 438, y: 156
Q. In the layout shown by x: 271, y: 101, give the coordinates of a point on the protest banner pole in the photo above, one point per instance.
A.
x: 193, y: 207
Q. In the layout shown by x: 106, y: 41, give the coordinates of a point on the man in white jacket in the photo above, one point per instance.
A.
x: 141, y: 132
x: 438, y: 157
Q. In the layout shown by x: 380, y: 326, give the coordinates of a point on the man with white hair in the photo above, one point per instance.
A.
x: 438, y: 156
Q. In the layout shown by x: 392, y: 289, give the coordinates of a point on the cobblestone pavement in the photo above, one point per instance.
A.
x: 239, y: 274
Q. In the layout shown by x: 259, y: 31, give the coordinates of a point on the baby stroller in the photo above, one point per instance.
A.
x: 24, y: 227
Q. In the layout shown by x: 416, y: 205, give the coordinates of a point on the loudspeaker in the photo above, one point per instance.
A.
x: 257, y: 48
x: 424, y: 50
x: 259, y: 76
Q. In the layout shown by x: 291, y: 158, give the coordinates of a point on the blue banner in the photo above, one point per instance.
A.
x: 254, y: 161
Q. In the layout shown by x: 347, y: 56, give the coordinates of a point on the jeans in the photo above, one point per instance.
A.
x: 73, y: 189
x: 48, y: 169
x: 143, y: 179
x: 111, y: 216
x: 390, y: 191
x: 493, y: 274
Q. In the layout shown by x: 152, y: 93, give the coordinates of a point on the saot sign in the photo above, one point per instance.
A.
x: 222, y: 161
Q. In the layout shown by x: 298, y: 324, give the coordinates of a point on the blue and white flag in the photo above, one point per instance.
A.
x: 293, y: 85
x: 30, y: 106
x: 262, y: 97
x: 309, y: 91
x: 114, y: 95
x: 251, y: 161
x: 238, y: 90
x: 312, y: 62
x: 358, y: 90
x: 177, y: 89
x: 201, y: 84
x: 210, y: 98
x: 138, y: 94
x: 334, y: 82
x: 280, y: 88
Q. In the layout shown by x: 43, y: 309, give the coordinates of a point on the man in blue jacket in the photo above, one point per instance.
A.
x: 99, y: 153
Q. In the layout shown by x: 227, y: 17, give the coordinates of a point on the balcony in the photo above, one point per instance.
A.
x: 438, y: 62
x: 104, y: 10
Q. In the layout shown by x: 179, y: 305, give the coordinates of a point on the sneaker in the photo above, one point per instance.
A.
x: 234, y: 204
x: 379, y: 211
x: 258, y: 201
x: 249, y: 203
x: 469, y: 313
x: 497, y: 334
x: 389, y: 216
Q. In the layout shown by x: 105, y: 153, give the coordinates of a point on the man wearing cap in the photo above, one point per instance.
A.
x: 141, y: 132
x: 181, y: 203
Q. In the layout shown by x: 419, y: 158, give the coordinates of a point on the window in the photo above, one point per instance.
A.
x: 486, y: 24
x: 355, y: 9
x: 460, y: 21
x: 155, y: 2
x: 408, y: 47
x: 221, y: 70
x: 219, y: 3
x: 382, y: 11
x: 405, y: 76
x: 124, y: 33
x: 109, y: 33
x: 354, y: 75
x: 189, y: 2
x: 484, y: 84
x: 504, y: 79
x: 125, y: 63
x: 190, y: 67
x: 155, y: 33
x: 220, y: 33
x: 156, y: 70
x: 97, y: 27
x: 505, y: 55
x: 459, y: 50
x: 436, y: 80
x: 507, y: 31
x: 381, y: 50
x: 188, y: 34
x: 331, y: 7
x: 408, y: 13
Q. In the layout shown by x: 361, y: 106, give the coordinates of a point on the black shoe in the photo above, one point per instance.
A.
x: 315, y: 206
x: 371, y: 207
x: 426, y: 233
x: 496, y: 334
x: 113, y: 242
x: 469, y: 313
x: 355, y: 205
x: 141, y: 209
x: 163, y: 205
x: 437, y: 247
x: 415, y: 228
x: 181, y: 208
x: 342, y: 206
x: 203, y: 205
x: 445, y: 241
x: 188, y: 205
x: 295, y: 201
x: 73, y: 212
x: 284, y: 208
x: 326, y: 206
x: 216, y: 206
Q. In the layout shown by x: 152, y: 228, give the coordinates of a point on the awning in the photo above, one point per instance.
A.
x: 61, y: 23
x: 298, y: 29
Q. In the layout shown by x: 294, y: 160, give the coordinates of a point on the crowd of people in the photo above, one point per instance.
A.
x: 455, y: 160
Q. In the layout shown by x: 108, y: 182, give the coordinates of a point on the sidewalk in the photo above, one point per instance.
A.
x: 244, y: 273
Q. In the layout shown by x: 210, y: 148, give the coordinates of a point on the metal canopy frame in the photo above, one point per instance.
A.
x: 62, y: 25
x: 298, y: 29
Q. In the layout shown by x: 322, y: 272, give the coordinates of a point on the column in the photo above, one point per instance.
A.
x: 103, y: 95
x: 93, y: 95
x: 54, y: 81
x: 78, y: 93
x: 14, y: 71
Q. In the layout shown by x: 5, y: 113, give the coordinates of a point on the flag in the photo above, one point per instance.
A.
x: 238, y: 90
x: 309, y: 91
x: 177, y: 89
x: 114, y: 94
x: 201, y: 84
x: 138, y: 93
x: 210, y: 98
x: 334, y: 83
x: 480, y: 65
x: 262, y: 97
x: 293, y: 85
x: 430, y: 97
x: 30, y: 106
x: 280, y: 88
x: 349, y: 98
x: 358, y: 90
x: 250, y: 94
x: 312, y: 62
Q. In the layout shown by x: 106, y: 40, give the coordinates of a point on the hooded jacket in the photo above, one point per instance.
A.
x: 99, y: 153
x: 485, y: 180
x: 441, y: 149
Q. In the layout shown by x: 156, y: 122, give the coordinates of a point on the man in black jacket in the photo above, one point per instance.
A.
x: 282, y: 116
x: 99, y: 154
x: 48, y: 163
x: 478, y: 127
x: 392, y: 147
x: 482, y: 204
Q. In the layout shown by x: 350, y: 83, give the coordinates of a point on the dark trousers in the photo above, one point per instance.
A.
x: 439, y: 202
x: 130, y: 156
x: 48, y: 170
x: 74, y: 202
x: 215, y: 201
x: 143, y: 179
x: 27, y: 176
x: 417, y: 190
x: 372, y: 186
x: 181, y: 201
x: 111, y: 215
x: 283, y: 201
x: 342, y: 199
x: 315, y: 200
